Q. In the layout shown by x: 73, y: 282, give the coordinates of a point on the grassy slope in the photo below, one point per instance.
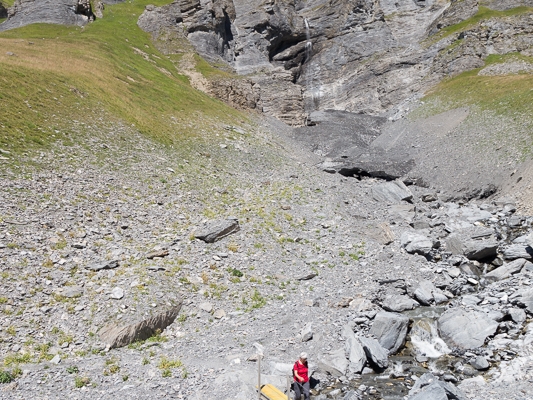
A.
x: 509, y: 96
x: 58, y: 74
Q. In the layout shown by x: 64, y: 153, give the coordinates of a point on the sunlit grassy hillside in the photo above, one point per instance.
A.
x: 52, y: 75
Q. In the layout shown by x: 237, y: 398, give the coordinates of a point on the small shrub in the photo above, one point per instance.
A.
x: 5, y: 377
x: 80, y: 381
x: 73, y: 369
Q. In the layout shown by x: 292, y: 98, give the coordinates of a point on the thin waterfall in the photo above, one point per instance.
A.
x: 309, y: 87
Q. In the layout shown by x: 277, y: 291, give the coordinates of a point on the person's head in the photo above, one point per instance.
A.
x: 303, y: 357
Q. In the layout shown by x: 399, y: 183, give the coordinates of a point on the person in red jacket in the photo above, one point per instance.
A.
x: 301, y: 378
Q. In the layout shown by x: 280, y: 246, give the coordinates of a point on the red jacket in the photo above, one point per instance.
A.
x: 302, y: 370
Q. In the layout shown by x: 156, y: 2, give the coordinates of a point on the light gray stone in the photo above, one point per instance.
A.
x: 391, y: 192
x: 465, y: 329
x: 354, y: 350
x: 518, y: 251
x: 307, y: 332
x: 334, y: 363
x: 430, y: 392
x: 117, y: 293
x: 216, y: 230
x: 399, y: 303
x: 206, y: 306
x: 72, y: 291
x: 424, y: 292
x: 390, y: 329
x: 103, y: 265
x: 480, y: 363
x: 506, y: 270
x: 416, y: 243
x: 119, y: 336
x: 523, y: 298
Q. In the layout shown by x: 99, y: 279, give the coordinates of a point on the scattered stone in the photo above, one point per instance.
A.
x: 117, y: 293
x: 216, y: 230
x: 56, y: 359
x: 391, y: 192
x: 72, y: 291
x: 399, y: 303
x: 219, y: 314
x: 480, y: 363
x: 307, y: 332
x: 506, y: 270
x: 103, y: 265
x: 207, y: 307
x: 415, y: 243
x: 158, y: 253
x: 121, y: 336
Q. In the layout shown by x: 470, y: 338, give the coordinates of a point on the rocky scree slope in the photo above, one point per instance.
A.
x: 114, y: 234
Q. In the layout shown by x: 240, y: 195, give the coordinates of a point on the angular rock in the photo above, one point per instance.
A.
x: 518, y: 251
x: 506, y: 270
x: 307, y: 332
x: 399, y: 303
x: 119, y: 336
x: 465, y: 329
x: 103, y: 265
x: 480, y: 363
x: 216, y: 230
x: 430, y: 392
x: 376, y: 354
x: 219, y: 314
x: 117, y: 293
x: 415, y: 243
x: 334, y: 363
x: 206, y: 306
x: 72, y: 291
x: 517, y: 315
x: 523, y: 298
x: 391, y: 192
x: 390, y: 329
x: 424, y: 292
x: 354, y: 350
x: 158, y: 253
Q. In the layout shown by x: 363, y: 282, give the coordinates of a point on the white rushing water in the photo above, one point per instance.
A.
x: 425, y: 339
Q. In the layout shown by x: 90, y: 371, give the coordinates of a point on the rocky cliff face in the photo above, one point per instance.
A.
x: 68, y: 12
x: 364, y: 56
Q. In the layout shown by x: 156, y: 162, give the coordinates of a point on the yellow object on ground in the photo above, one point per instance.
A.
x: 272, y: 393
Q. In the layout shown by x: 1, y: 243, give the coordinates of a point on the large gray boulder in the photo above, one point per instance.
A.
x: 465, y: 329
x: 471, y: 246
x: 334, y: 363
x: 354, y: 350
x: 390, y: 329
x: 424, y: 292
x: 120, y: 336
x: 376, y: 354
x: 216, y: 230
x: 391, y: 192
x: 416, y: 243
x: 506, y: 270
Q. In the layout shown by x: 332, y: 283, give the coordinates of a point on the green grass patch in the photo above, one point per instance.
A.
x: 64, y: 76
x: 211, y: 71
x: 483, y: 14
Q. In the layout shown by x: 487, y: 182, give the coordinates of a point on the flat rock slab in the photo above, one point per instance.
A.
x: 390, y: 329
x: 120, y: 336
x: 216, y: 230
x: 506, y: 270
x: 103, y: 265
x: 518, y: 251
x: 465, y: 329
x: 391, y: 192
x: 334, y: 363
